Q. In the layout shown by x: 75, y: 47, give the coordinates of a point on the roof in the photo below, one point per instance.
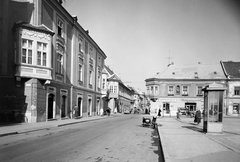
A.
x: 231, y: 69
x: 195, y: 71
x: 26, y: 25
x: 108, y: 70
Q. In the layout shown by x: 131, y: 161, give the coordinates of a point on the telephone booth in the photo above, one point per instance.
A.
x: 213, y: 108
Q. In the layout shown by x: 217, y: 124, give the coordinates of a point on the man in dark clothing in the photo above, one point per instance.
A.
x: 198, y: 117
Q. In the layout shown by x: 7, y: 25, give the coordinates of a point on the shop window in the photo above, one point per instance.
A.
x: 236, y: 108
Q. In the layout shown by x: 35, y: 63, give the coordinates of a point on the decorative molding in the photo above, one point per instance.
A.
x: 32, y: 33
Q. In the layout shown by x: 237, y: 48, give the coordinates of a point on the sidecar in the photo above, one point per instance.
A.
x: 146, y: 121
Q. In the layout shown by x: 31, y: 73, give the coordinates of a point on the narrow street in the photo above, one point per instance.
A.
x: 121, y: 138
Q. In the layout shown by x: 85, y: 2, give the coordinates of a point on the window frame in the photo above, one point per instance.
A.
x: 27, y: 49
x: 198, y: 90
x: 183, y: 90
x: 42, y: 51
x: 236, y: 91
x: 60, y: 26
x: 59, y: 69
x: 170, y: 90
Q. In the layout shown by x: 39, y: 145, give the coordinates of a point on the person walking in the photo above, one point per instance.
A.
x: 159, y: 112
x: 197, y: 118
x: 178, y: 114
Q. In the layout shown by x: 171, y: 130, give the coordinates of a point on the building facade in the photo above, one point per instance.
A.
x: 180, y: 87
x: 51, y: 68
x: 232, y: 71
x: 116, y: 95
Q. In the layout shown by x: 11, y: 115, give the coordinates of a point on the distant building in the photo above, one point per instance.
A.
x: 116, y: 95
x: 180, y: 87
x: 232, y: 71
x: 50, y: 67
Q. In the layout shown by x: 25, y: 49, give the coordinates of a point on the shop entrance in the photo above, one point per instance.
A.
x: 166, y: 108
x: 190, y: 107
x: 236, y: 108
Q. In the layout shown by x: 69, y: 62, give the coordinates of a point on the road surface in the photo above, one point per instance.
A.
x: 114, y: 139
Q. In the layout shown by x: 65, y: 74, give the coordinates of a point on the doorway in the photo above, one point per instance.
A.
x: 166, y: 107
x: 89, y: 106
x: 50, y: 106
x: 79, y: 107
x: 63, y: 106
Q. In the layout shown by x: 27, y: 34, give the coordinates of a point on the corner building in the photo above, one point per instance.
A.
x: 50, y: 67
x: 180, y: 87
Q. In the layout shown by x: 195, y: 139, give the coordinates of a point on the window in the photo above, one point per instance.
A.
x: 111, y: 88
x: 115, y: 89
x: 41, y: 54
x: 237, y: 91
x: 103, y: 84
x: 27, y: 51
x: 156, y: 89
x: 60, y: 28
x: 90, y: 77
x: 170, y: 91
x: 99, y: 81
x: 185, y: 91
x: 152, y: 90
x: 80, y: 72
x: 91, y: 52
x: 199, y: 91
x: 59, y: 63
x: 177, y: 90
x: 80, y: 40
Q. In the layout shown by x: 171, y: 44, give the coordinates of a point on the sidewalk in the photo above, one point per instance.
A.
x: 182, y: 140
x: 20, y: 128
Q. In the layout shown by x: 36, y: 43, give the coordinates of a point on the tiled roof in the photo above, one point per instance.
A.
x: 231, y: 69
x: 195, y: 71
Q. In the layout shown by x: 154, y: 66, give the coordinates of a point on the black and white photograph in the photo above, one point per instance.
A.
x: 119, y: 80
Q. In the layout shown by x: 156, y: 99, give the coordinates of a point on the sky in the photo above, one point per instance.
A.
x: 141, y: 37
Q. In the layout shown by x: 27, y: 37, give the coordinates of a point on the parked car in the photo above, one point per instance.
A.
x: 183, y: 111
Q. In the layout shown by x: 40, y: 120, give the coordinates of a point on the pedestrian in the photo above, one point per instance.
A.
x: 197, y: 118
x: 159, y: 112
x: 178, y: 114
x: 101, y: 111
x: 108, y: 111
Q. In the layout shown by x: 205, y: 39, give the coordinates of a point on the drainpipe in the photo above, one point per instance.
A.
x: 71, y: 102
